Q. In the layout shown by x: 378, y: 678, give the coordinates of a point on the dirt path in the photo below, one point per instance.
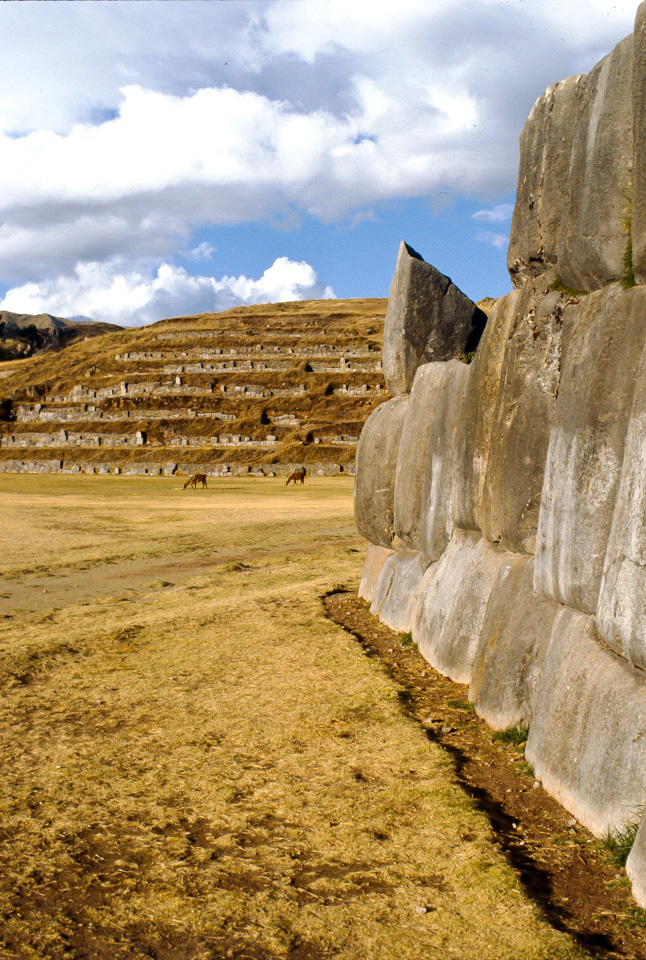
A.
x: 34, y: 594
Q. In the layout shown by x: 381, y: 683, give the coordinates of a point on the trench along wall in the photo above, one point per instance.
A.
x: 504, y: 500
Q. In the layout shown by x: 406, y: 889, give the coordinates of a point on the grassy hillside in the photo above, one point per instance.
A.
x: 254, y: 388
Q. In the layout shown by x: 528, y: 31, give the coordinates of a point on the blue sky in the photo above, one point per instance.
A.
x: 177, y: 156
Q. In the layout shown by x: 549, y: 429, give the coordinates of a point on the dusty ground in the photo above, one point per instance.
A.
x: 560, y: 863
x: 203, y: 765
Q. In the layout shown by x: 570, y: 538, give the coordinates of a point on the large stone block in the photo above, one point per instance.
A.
x: 481, y: 396
x: 376, y: 464
x: 375, y: 559
x: 603, y: 338
x: 621, y: 612
x: 574, y: 177
x: 636, y: 865
x: 428, y: 318
x: 587, y: 738
x: 394, y: 596
x: 513, y: 640
x: 541, y: 192
x: 444, y: 452
x: 524, y: 404
x: 414, y: 452
x: 451, y: 603
x: 638, y: 205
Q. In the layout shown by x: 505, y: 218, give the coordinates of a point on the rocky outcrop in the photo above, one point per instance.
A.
x: 22, y: 334
x: 428, y: 318
x: 519, y: 536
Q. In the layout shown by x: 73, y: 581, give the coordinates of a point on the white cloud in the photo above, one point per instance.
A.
x: 113, y: 292
x: 497, y: 240
x: 499, y: 213
x: 203, y: 251
x: 126, y: 126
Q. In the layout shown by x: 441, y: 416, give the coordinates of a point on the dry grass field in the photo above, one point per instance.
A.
x: 196, y: 763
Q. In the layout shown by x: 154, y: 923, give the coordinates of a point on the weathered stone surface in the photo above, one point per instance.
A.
x: 451, y: 603
x: 621, y: 612
x: 636, y: 865
x: 428, y: 318
x: 376, y: 464
x: 394, y: 596
x: 439, y: 477
x: 528, y: 385
x: 574, y: 174
x: 593, y: 238
x: 375, y: 559
x: 603, y: 338
x: 414, y: 452
x: 512, y: 646
x: 587, y: 738
x: 638, y: 205
x: 541, y: 192
x: 474, y: 435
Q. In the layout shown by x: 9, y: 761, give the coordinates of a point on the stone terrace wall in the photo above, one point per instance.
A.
x: 505, y: 501
x: 168, y: 397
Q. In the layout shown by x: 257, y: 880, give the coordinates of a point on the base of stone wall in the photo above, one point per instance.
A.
x: 528, y: 661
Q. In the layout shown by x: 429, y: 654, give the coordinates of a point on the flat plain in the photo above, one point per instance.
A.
x: 197, y: 763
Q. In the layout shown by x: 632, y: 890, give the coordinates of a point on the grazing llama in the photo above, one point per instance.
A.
x: 193, y: 481
x: 298, y: 475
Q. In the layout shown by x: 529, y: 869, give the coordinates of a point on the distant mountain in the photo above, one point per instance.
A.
x: 24, y: 334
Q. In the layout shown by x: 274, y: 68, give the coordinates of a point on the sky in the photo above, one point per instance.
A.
x: 169, y: 157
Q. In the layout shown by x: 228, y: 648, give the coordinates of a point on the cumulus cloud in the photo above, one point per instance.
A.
x: 497, y: 214
x: 125, y: 127
x: 497, y: 240
x: 133, y: 297
x: 203, y: 251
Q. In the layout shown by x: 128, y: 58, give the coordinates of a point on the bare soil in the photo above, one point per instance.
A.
x: 562, y: 866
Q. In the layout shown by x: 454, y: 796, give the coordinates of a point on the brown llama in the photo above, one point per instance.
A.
x: 193, y: 481
x: 299, y: 475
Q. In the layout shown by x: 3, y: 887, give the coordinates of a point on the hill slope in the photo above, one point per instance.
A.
x: 24, y: 334
x: 257, y: 388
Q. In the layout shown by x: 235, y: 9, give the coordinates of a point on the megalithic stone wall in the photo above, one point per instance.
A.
x: 504, y: 501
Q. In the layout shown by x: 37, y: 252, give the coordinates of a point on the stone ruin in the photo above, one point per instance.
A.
x: 504, y: 501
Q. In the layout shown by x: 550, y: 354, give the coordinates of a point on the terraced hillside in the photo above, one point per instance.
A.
x: 255, y: 389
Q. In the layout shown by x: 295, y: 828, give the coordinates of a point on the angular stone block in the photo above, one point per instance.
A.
x: 414, y: 452
x: 475, y: 431
x: 441, y: 467
x: 621, y: 612
x: 451, y: 603
x: 428, y: 318
x: 603, y: 338
x: 375, y: 559
x: 636, y: 865
x: 376, y: 465
x: 587, y: 738
x: 593, y: 237
x: 524, y: 405
x: 638, y: 211
x: 545, y: 147
x: 394, y: 595
x: 513, y: 640
x: 576, y: 154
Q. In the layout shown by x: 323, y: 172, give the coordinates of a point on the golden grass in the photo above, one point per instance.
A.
x: 211, y: 768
